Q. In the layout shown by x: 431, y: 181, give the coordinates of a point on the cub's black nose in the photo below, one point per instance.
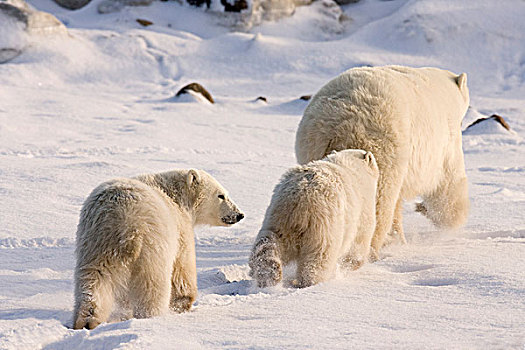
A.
x: 240, y: 217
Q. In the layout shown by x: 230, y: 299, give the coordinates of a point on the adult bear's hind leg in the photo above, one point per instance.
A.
x: 397, y: 233
x: 388, y: 189
x: 448, y: 205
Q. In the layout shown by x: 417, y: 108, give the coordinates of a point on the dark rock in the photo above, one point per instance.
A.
x: 306, y: 97
x: 144, y: 22
x: 302, y: 2
x: 199, y: 3
x: 72, y: 4
x: 20, y: 14
x: 196, y: 87
x: 237, y: 6
x: 494, y: 117
x: 261, y: 98
x: 137, y: 2
x: 346, y: 2
x: 8, y: 54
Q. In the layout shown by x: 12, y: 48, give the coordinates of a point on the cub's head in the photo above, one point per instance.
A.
x: 213, y: 206
x: 354, y: 157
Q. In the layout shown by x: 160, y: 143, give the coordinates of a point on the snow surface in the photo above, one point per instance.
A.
x: 98, y: 103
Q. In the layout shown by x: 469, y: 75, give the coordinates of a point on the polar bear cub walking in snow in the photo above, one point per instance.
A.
x: 320, y: 214
x: 135, y: 243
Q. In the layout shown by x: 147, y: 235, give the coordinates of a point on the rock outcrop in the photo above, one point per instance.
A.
x: 18, y: 22
x: 34, y: 21
x: 195, y: 88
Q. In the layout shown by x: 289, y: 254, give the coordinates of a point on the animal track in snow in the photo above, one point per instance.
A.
x: 411, y: 268
x: 512, y: 234
x: 435, y: 282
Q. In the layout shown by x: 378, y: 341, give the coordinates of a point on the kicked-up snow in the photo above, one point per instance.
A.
x: 98, y: 103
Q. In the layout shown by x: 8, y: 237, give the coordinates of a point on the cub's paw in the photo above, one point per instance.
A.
x: 267, y: 272
x: 182, y: 304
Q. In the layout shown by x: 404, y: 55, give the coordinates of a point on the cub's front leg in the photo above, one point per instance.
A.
x: 184, y: 279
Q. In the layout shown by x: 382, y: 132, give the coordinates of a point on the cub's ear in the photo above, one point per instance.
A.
x: 369, y: 158
x: 461, y: 80
x: 193, y: 177
x: 333, y: 152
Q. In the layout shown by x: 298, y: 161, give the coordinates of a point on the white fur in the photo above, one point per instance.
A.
x: 321, y: 213
x: 135, y: 243
x: 410, y: 119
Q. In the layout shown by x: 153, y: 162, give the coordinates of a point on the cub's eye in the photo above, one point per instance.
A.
x: 221, y: 196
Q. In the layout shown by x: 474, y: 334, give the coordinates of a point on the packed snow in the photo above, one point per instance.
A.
x: 99, y: 102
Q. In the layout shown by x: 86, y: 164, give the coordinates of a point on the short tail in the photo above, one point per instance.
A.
x: 265, y: 262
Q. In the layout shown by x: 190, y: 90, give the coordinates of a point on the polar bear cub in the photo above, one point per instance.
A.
x: 320, y: 214
x: 135, y: 243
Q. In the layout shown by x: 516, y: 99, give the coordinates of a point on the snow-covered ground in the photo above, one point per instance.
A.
x: 98, y: 103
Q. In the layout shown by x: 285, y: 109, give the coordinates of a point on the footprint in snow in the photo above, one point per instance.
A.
x: 411, y: 268
x: 435, y: 282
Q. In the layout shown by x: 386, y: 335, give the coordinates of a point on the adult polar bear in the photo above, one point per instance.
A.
x: 135, y: 243
x: 410, y: 119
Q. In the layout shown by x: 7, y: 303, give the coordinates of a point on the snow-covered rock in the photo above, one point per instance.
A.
x: 195, y: 90
x: 35, y: 22
x: 494, y: 124
x: 275, y: 9
x: 326, y: 16
x: 13, y: 38
x: 332, y: 20
x: 110, y: 6
x: 253, y: 14
x: 18, y: 22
